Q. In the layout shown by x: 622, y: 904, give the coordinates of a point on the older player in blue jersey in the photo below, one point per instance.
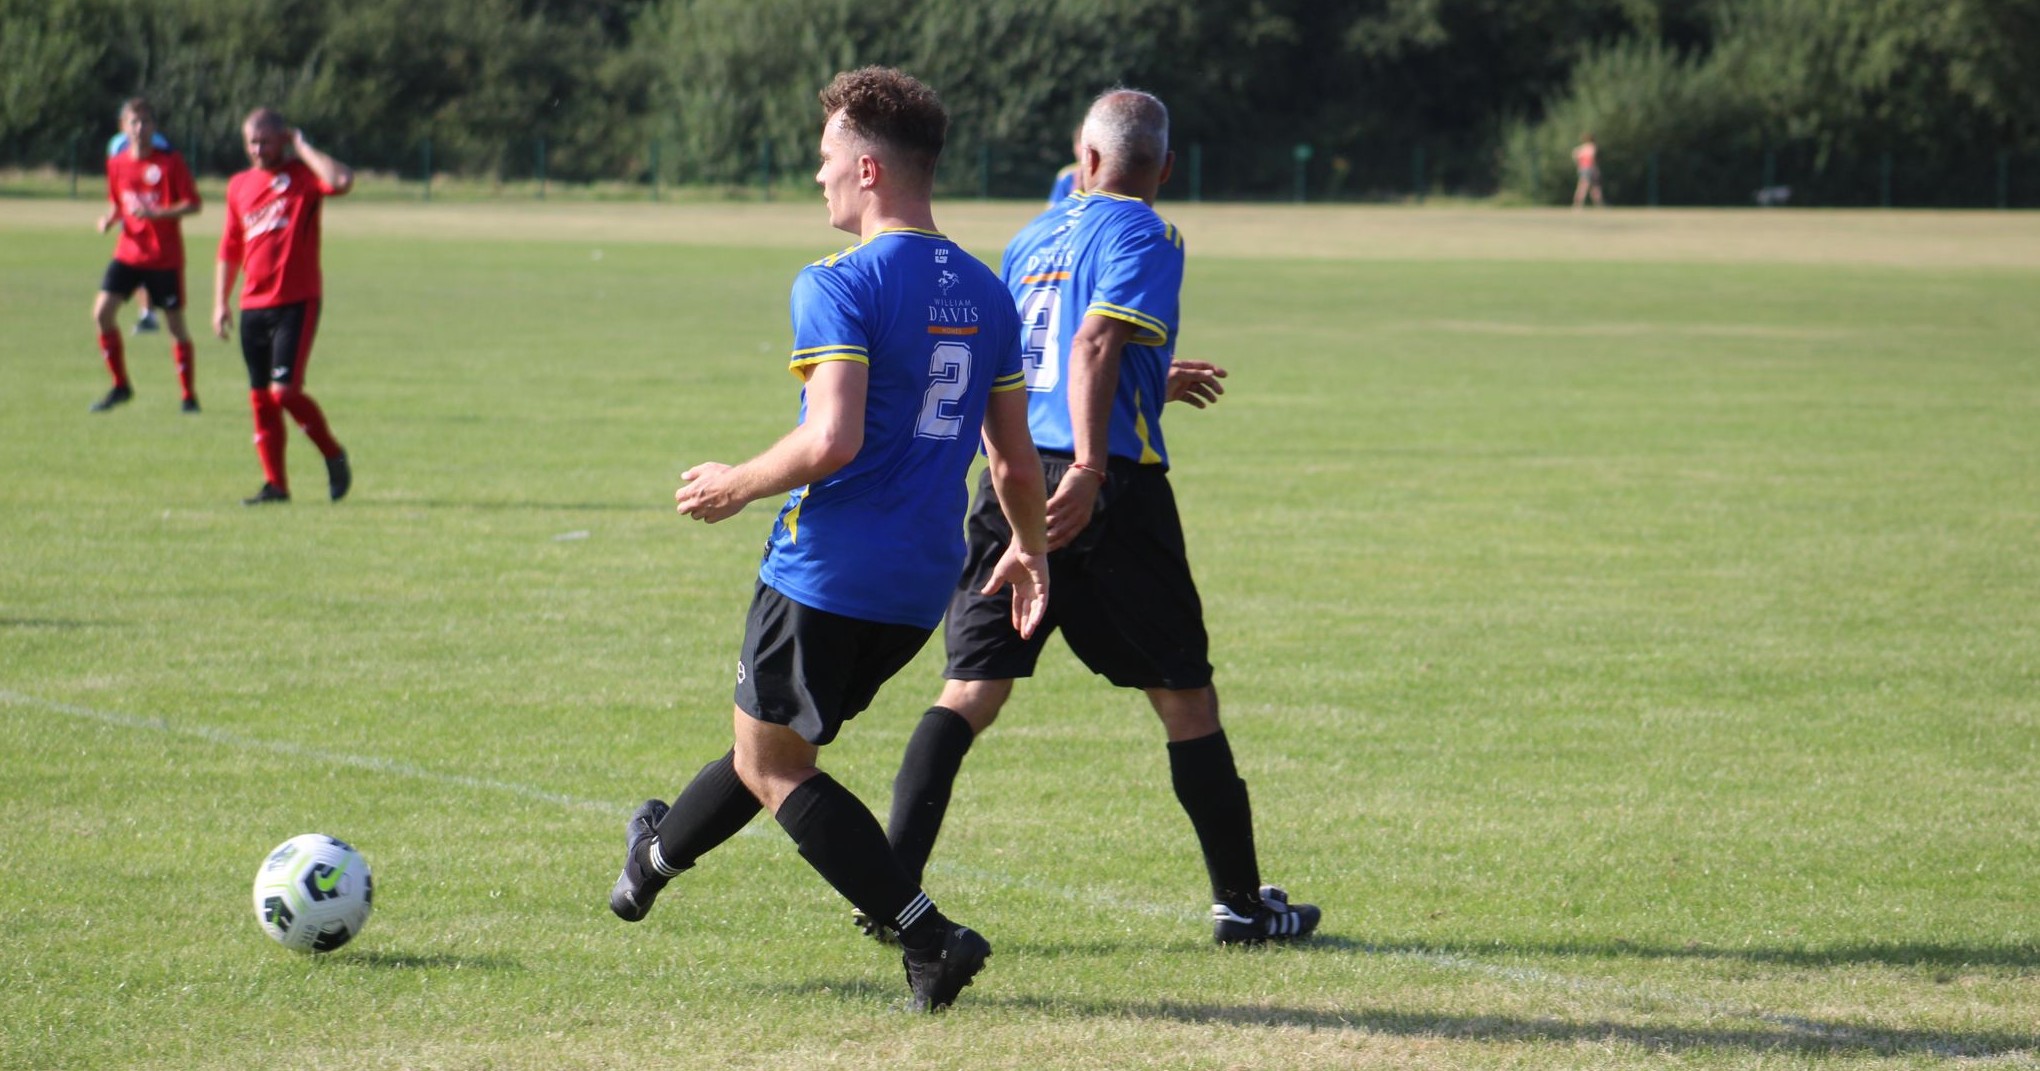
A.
x: 1096, y: 279
x: 909, y: 351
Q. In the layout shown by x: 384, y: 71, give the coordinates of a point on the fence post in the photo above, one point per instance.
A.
x: 1302, y: 155
x: 1770, y: 168
x: 765, y: 167
x: 1653, y: 178
x: 1417, y: 173
x: 74, y: 165
x: 1884, y: 180
x: 428, y: 169
x: 655, y: 169
x: 541, y: 167
x: 984, y: 171
x: 1196, y: 171
x: 2004, y: 177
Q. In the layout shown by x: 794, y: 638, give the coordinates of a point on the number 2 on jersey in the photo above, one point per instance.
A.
x: 949, y: 369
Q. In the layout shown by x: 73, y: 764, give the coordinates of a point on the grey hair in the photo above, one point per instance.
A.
x: 1128, y: 127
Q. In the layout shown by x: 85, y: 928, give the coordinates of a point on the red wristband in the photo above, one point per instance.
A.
x: 1093, y: 470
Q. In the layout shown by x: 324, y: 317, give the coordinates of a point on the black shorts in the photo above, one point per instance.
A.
x: 165, y: 285
x: 1121, y: 592
x: 277, y: 343
x: 811, y: 670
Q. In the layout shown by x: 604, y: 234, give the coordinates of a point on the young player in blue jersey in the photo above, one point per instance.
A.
x: 909, y: 352
x: 1096, y: 280
x: 1066, y: 180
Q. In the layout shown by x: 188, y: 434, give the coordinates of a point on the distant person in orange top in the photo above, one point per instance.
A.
x: 1584, y: 156
x: 151, y: 193
x: 272, y: 232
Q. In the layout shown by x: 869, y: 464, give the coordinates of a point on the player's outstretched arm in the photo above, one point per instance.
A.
x: 1195, y: 383
x: 1016, y: 479
x: 826, y: 440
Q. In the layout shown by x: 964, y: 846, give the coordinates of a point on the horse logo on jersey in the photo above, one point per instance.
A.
x: 947, y: 281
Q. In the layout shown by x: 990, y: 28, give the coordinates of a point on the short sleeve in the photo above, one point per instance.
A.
x: 1141, y: 281
x: 828, y: 320
x: 230, y: 232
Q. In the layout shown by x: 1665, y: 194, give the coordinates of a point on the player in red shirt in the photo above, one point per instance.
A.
x: 272, y: 232
x: 151, y: 193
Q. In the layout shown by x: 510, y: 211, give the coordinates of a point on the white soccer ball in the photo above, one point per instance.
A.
x: 313, y: 893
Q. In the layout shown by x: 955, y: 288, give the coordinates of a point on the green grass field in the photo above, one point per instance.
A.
x: 1629, y: 626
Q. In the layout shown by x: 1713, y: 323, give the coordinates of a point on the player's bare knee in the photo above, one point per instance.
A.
x: 976, y: 702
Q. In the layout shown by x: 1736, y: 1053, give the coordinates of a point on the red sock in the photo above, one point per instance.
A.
x: 309, y: 417
x: 187, y: 369
x: 269, y: 438
x: 116, y: 356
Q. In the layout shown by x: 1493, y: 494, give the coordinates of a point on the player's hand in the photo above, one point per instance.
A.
x: 1194, y: 382
x: 708, y: 494
x: 1071, y: 506
x: 221, y: 314
x: 106, y: 221
x: 1028, y: 573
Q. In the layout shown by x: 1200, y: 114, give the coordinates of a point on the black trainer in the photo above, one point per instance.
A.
x: 872, y: 928
x: 1275, y: 920
x: 939, y: 974
x: 635, y: 889
x: 190, y: 405
x: 270, y: 493
x: 114, y: 397
x: 339, y: 476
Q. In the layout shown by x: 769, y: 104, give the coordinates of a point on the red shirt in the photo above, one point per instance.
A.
x: 272, y: 232
x: 157, y: 180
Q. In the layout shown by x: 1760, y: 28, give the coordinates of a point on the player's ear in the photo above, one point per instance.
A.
x: 1168, y: 166
x: 868, y: 171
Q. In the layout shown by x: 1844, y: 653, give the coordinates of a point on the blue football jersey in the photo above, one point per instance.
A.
x: 881, y: 539
x: 1106, y: 255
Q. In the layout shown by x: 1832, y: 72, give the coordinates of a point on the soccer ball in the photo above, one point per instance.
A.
x: 313, y: 893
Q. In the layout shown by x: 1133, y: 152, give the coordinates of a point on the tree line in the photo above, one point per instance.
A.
x: 1489, y: 93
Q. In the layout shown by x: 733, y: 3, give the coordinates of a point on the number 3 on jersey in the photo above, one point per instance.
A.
x: 949, y: 371
x: 1040, y: 335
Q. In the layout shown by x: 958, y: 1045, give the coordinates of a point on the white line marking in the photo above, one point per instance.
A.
x: 1453, y: 961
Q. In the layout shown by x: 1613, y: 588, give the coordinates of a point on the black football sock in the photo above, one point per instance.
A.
x: 838, y: 836
x: 921, y: 790
x: 1212, y: 794
x: 711, y: 809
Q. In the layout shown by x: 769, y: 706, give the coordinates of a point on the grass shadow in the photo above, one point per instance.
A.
x: 1875, y: 953
x: 428, y: 961
x: 1768, y: 1033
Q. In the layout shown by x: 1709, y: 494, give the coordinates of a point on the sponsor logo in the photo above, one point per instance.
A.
x: 281, y: 182
x: 152, y: 174
x: 740, y: 671
x: 947, y: 281
x: 942, y: 254
x: 273, y: 216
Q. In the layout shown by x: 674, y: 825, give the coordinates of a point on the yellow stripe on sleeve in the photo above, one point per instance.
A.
x: 1152, y: 331
x: 805, y: 360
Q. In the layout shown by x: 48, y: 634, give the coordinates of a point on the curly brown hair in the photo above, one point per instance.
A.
x: 893, y: 110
